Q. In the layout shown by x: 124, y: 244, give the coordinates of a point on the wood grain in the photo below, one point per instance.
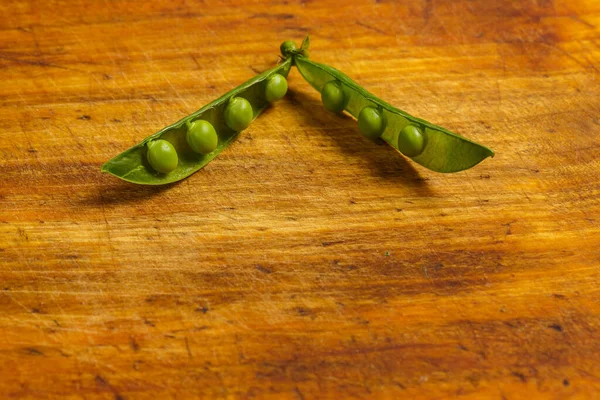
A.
x: 304, y: 262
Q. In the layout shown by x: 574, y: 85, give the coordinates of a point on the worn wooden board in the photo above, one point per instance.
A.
x: 304, y: 262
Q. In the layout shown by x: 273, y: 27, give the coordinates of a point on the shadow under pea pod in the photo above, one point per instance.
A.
x: 122, y: 192
x: 385, y: 161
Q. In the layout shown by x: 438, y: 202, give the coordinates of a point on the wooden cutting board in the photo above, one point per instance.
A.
x: 304, y: 262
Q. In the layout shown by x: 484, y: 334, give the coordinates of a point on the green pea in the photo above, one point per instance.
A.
x: 371, y: 123
x: 238, y: 114
x: 162, y: 156
x: 333, y: 97
x: 275, y: 88
x: 201, y: 136
x: 287, y: 47
x: 411, y: 141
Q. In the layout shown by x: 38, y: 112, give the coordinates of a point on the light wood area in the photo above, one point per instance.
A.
x: 304, y: 262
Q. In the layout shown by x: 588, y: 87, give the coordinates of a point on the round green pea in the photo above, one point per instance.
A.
x: 202, y: 137
x: 371, y: 123
x: 333, y: 97
x: 162, y: 156
x: 238, y: 114
x: 411, y: 141
x: 287, y: 47
x: 275, y: 88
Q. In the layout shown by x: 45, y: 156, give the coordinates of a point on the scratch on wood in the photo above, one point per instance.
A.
x: 519, y: 375
x: 331, y: 243
x: 577, y: 18
x: 33, y: 351
x: 263, y: 269
x: 133, y: 344
x: 556, y: 327
x: 371, y: 28
x: 100, y: 381
x: 187, y: 347
x: 298, y: 393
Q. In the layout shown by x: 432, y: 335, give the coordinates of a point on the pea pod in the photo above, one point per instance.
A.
x: 430, y: 145
x: 133, y: 165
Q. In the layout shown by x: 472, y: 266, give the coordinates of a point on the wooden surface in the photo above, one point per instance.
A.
x: 304, y: 262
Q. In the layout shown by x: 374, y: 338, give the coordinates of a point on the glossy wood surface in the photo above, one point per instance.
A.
x: 304, y: 262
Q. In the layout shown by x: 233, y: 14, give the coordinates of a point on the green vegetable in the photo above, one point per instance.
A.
x: 162, y: 156
x: 180, y: 149
x: 443, y: 151
x: 411, y: 141
x: 287, y: 48
x: 275, y: 88
x: 333, y: 97
x: 132, y: 165
x: 370, y: 123
x: 238, y: 114
x: 201, y: 136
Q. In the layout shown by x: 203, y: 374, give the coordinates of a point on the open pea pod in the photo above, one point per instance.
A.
x: 442, y: 151
x: 132, y: 165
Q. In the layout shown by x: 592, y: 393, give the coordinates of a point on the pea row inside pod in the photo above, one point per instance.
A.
x: 427, y: 144
x: 178, y: 150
